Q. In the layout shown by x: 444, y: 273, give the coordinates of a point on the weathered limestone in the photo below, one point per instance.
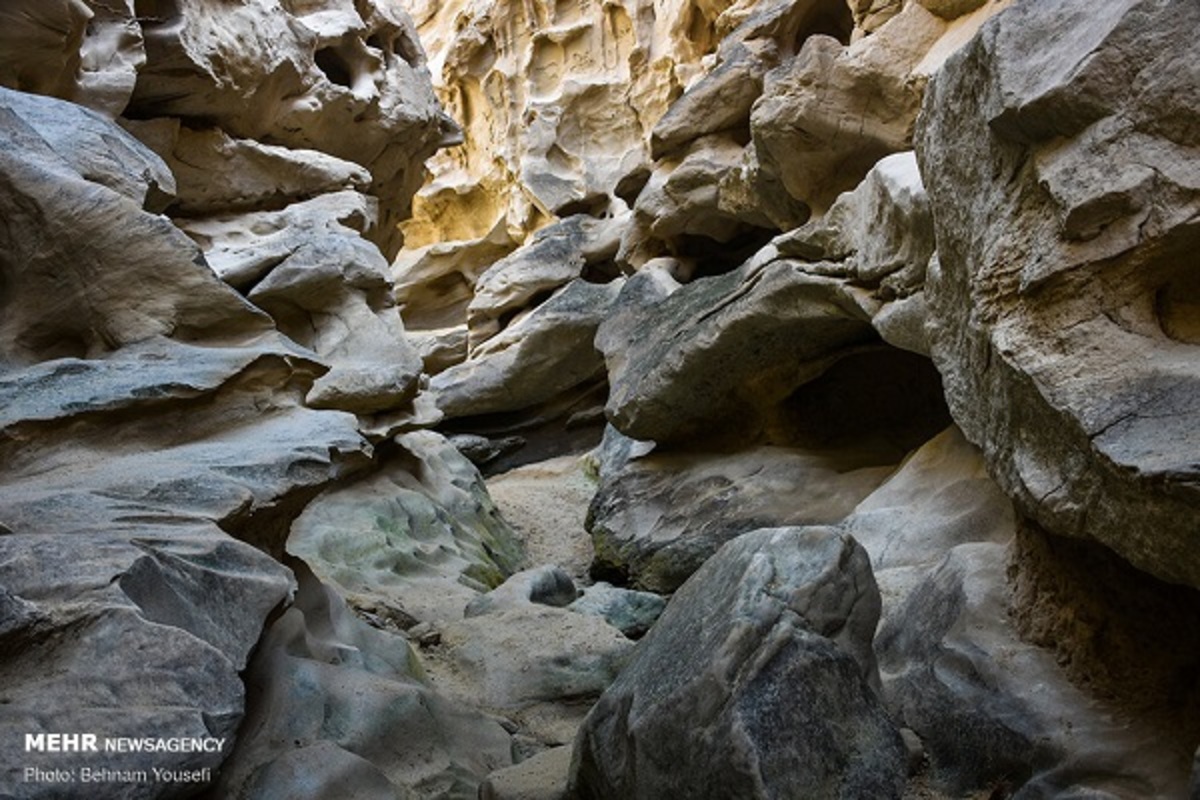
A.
x: 327, y: 288
x: 70, y: 178
x: 748, y: 355
x: 990, y: 707
x: 84, y: 51
x: 1064, y: 327
x: 339, y: 708
x: 757, y: 678
x: 415, y: 542
x: 828, y: 115
x: 535, y: 359
x: 302, y: 78
x: 216, y: 173
x: 149, y: 413
x: 576, y: 247
x: 556, y: 103
x: 75, y: 607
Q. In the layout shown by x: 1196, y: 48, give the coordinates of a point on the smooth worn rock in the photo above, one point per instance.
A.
x: 577, y: 247
x: 85, y: 51
x: 535, y: 359
x: 547, y: 585
x: 683, y: 195
x: 337, y: 708
x: 540, y: 777
x: 1064, y: 327
x: 513, y: 658
x: 781, y: 350
x: 631, y: 612
x: 420, y: 537
x: 830, y: 113
x: 217, y: 173
x: 164, y: 433
x: 78, y: 195
x: 991, y: 708
x: 879, y: 239
x: 435, y: 285
x: 720, y: 101
x: 940, y: 497
x: 660, y: 517
x: 722, y: 351
x: 327, y: 288
x: 758, y: 678
x: 126, y: 633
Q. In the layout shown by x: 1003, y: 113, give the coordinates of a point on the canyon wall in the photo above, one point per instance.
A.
x: 640, y: 398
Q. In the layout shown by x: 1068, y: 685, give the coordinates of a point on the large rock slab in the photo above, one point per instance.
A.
x: 1065, y: 327
x: 79, y: 195
x: 723, y: 348
x: 536, y: 359
x: 657, y: 520
x: 126, y: 634
x: 756, y: 682
x: 782, y: 349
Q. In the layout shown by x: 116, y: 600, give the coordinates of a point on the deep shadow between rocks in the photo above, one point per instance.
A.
x: 1117, y: 632
x: 887, y: 397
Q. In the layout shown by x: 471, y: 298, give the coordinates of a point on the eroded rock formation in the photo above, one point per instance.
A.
x: 845, y: 350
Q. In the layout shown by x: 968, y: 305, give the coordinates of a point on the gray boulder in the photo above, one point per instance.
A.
x: 756, y: 682
x: 546, y: 585
x: 721, y: 351
x: 535, y: 359
x: 655, y: 521
x: 631, y: 612
x: 1065, y: 327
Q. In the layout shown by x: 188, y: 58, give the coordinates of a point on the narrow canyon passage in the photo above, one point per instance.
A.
x: 576, y: 400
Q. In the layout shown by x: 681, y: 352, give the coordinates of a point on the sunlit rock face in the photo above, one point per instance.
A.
x: 555, y: 100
